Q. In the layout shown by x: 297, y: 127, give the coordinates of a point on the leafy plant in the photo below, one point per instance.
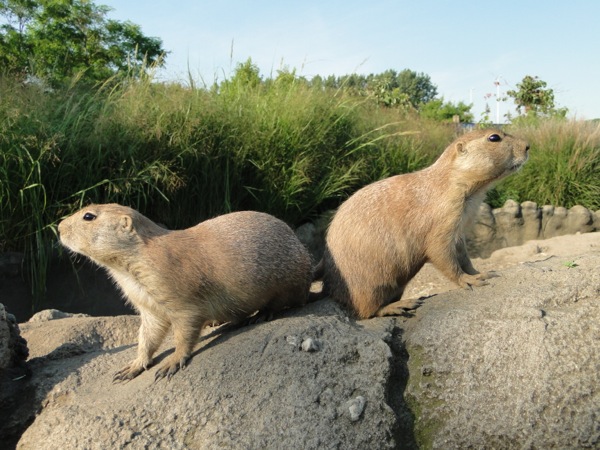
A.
x: 442, y: 111
x: 533, y: 98
x: 54, y: 41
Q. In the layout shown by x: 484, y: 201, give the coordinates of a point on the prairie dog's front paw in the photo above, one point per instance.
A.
x: 468, y: 281
x: 130, y: 371
x: 171, y: 366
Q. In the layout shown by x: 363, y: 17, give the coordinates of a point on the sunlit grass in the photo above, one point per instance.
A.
x: 182, y: 154
x: 563, y: 167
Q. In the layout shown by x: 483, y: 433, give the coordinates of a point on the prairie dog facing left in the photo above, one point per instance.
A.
x: 223, y: 269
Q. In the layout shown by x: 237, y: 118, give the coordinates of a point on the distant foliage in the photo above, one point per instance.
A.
x: 442, y: 111
x: 53, y: 41
x: 406, y: 89
x: 246, y: 75
x: 534, y: 99
x: 403, y: 88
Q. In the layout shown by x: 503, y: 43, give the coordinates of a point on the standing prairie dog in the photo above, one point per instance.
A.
x: 384, y: 233
x: 223, y: 269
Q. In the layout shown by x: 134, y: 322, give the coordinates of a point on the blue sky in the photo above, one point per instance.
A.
x: 464, y: 46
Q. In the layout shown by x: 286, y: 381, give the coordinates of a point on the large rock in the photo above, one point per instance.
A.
x: 514, y: 364
x: 311, y: 379
x: 13, y: 348
x: 13, y: 373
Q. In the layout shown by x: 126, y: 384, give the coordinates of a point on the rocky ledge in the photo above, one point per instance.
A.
x: 515, y: 364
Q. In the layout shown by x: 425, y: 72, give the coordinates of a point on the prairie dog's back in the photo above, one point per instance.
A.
x: 250, y: 239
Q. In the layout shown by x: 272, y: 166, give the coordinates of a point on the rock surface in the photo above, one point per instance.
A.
x: 13, y: 348
x: 13, y: 375
x: 52, y: 314
x: 252, y: 388
x: 515, y: 364
x: 512, y: 365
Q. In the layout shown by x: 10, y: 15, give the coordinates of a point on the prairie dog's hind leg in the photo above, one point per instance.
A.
x: 399, y: 308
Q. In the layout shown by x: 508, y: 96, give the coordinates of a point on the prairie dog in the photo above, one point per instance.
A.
x: 223, y: 269
x: 384, y: 233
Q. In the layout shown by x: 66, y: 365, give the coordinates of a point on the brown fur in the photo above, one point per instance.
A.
x: 223, y: 270
x: 383, y: 234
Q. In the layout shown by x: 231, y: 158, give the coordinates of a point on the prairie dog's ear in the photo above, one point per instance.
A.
x: 126, y: 223
x: 461, y: 148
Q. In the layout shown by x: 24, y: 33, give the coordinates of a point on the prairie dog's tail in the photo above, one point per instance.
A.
x: 316, y: 295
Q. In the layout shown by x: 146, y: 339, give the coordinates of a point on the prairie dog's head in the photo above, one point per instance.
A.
x: 488, y: 155
x: 101, y: 231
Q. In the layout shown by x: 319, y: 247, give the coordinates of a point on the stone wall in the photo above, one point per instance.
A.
x: 514, y: 224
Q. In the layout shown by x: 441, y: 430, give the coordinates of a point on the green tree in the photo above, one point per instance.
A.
x: 14, y: 46
x: 417, y: 86
x: 56, y: 40
x: 441, y: 111
x: 406, y: 88
x: 385, y: 88
x: 246, y: 74
x: 533, y: 98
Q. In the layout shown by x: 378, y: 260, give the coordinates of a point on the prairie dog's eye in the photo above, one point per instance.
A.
x: 88, y: 216
x: 494, y: 138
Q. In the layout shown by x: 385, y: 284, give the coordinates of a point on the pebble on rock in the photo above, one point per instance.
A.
x: 310, y: 345
x: 356, y: 407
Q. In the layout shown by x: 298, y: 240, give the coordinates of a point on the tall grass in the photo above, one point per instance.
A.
x: 563, y: 167
x: 181, y: 154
